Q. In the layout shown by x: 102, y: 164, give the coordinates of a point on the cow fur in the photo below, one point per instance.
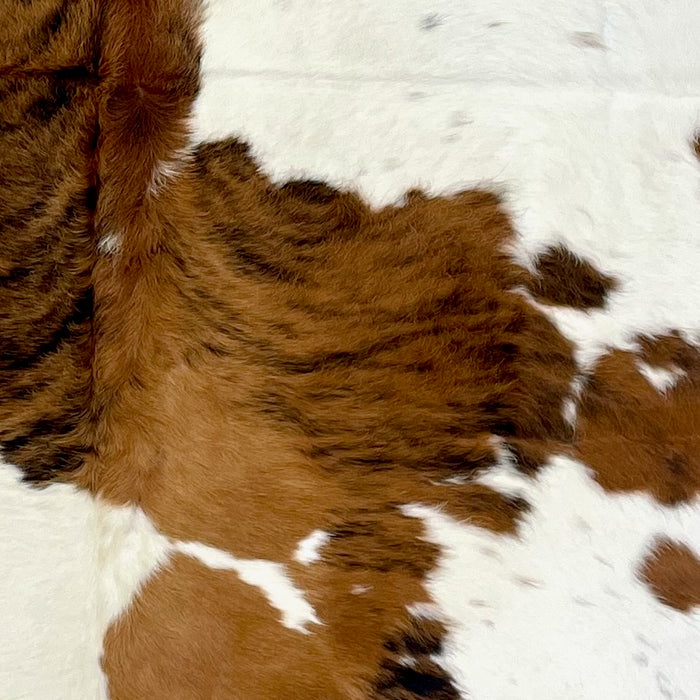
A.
x: 235, y: 363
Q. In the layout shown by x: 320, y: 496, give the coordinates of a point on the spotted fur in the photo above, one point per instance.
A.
x: 250, y: 362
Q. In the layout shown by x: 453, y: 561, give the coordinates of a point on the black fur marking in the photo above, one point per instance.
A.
x: 16, y: 354
x: 407, y: 683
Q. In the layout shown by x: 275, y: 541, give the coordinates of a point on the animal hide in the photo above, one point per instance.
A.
x: 400, y: 401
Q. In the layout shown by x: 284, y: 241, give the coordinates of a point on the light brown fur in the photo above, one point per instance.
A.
x: 672, y: 571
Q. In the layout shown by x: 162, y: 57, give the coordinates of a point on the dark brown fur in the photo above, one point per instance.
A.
x: 47, y: 201
x: 567, y: 280
x: 53, y: 37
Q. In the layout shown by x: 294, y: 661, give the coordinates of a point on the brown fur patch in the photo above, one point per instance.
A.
x: 224, y: 640
x: 337, y: 363
x: 564, y: 279
x: 355, y: 361
x: 670, y: 352
x: 249, y: 362
x: 47, y: 36
x: 635, y: 438
x: 672, y: 571
x: 368, y: 322
x: 47, y: 200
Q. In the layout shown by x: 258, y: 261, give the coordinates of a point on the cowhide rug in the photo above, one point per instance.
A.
x: 399, y: 401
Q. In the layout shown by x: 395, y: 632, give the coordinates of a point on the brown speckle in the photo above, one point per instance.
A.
x: 587, y: 40
x: 459, y: 119
x: 641, y: 659
x: 431, y: 21
x: 525, y: 581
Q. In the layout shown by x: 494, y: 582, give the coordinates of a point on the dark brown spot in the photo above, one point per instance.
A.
x: 564, y: 279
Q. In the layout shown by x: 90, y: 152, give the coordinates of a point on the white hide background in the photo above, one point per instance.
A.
x: 580, y: 114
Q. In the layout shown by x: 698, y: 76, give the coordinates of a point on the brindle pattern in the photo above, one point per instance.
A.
x: 47, y: 202
x: 249, y: 361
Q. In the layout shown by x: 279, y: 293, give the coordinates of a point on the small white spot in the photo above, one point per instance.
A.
x: 308, y: 550
x: 109, y: 244
x: 417, y: 510
x: 425, y: 611
x: 269, y: 576
x: 570, y: 404
x: 359, y: 589
x: 168, y: 169
x: 456, y: 480
x: 660, y: 378
x: 569, y: 411
x: 405, y: 660
x: 503, y: 477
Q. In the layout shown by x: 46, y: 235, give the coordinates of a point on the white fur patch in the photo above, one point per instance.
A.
x: 528, y: 614
x: 269, y: 576
x: 109, y: 243
x: 167, y: 170
x: 308, y: 551
x: 662, y: 379
x: 72, y: 564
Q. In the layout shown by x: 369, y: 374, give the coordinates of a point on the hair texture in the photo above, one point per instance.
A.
x: 672, y: 572
x: 250, y: 362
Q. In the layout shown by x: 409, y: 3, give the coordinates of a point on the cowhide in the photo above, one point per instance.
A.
x: 400, y: 400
